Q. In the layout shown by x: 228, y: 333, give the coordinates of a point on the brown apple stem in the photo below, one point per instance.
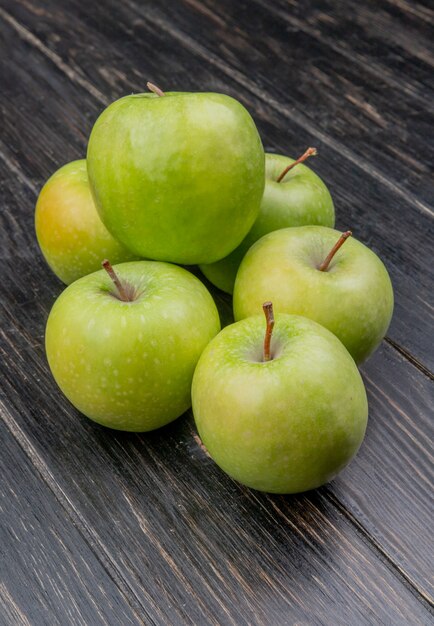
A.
x: 124, y: 293
x: 269, y: 316
x: 342, y: 239
x: 155, y: 89
x: 309, y: 152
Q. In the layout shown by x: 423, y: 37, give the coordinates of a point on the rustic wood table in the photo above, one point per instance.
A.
x: 100, y: 527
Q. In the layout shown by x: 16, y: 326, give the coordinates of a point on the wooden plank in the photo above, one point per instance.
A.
x: 389, y: 486
x: 387, y: 490
x: 390, y: 40
x: 377, y: 125
x: 377, y: 214
x: 189, y: 544
x: 49, y: 574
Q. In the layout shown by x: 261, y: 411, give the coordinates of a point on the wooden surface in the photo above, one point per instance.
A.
x: 101, y: 527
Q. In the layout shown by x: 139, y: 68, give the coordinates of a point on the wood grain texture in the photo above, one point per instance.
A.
x: 49, y: 574
x: 123, y: 58
x: 378, y: 126
x: 138, y: 482
x: 389, y: 486
x: 184, y: 543
x: 189, y: 544
x: 390, y: 40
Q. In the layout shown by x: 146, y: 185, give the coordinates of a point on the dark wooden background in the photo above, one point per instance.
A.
x: 100, y: 527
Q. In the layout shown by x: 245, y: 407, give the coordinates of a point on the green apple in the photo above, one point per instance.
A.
x: 123, y: 345
x: 293, y: 196
x: 177, y: 176
x: 284, y: 421
x: 70, y: 232
x: 351, y: 294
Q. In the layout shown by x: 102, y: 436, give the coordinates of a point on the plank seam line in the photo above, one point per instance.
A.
x: 91, y: 538
x: 420, y: 595
x: 407, y: 355
x: 372, y: 544
x: 358, y: 59
x: 75, y: 76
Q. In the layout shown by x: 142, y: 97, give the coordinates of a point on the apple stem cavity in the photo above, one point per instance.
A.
x: 155, y: 89
x: 269, y: 316
x: 125, y: 291
x: 342, y: 239
x: 309, y: 152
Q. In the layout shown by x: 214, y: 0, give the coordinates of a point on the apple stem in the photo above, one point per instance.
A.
x: 269, y: 316
x: 155, y: 89
x: 309, y: 152
x: 342, y: 239
x: 125, y: 293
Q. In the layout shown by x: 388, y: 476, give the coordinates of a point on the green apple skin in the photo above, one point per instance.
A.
x: 353, y: 299
x: 70, y: 233
x: 300, y: 199
x: 179, y: 177
x: 129, y: 365
x: 286, y: 425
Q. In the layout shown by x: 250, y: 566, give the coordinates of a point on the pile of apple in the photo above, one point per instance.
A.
x: 182, y: 179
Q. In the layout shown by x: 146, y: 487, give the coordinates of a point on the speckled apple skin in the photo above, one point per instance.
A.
x: 300, y: 199
x: 129, y: 365
x: 177, y: 178
x: 283, y: 426
x: 353, y: 299
x: 70, y: 233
